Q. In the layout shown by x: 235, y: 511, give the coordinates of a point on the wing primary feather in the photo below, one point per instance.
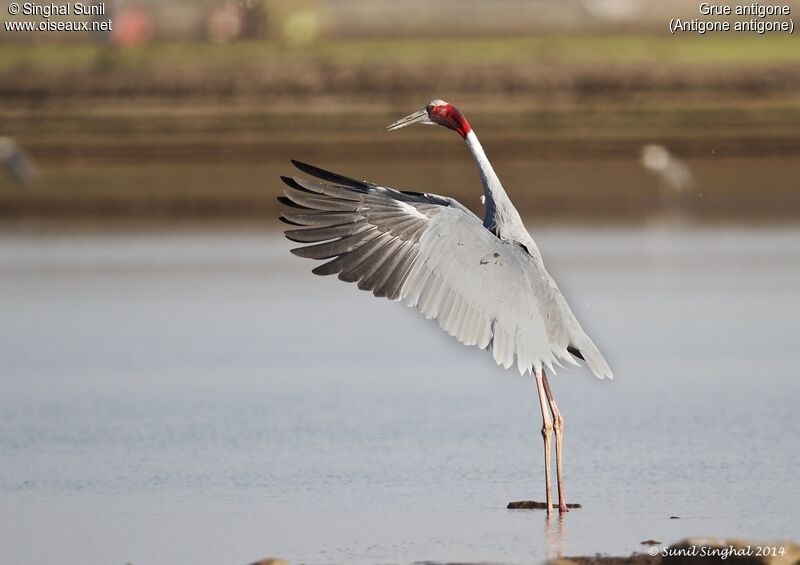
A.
x: 324, y: 219
x: 287, y: 221
x: 321, y: 203
x: 338, y: 247
x: 330, y: 176
x: 320, y: 188
x: 312, y: 235
x: 290, y: 203
x: 294, y: 183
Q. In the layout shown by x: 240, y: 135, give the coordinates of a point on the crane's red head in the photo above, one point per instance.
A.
x: 436, y: 112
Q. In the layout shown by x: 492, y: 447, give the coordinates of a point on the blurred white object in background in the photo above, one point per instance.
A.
x: 614, y: 10
x: 18, y: 163
x: 675, y: 181
x: 671, y: 171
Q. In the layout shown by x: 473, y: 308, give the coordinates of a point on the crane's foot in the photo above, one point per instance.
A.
x: 563, y: 507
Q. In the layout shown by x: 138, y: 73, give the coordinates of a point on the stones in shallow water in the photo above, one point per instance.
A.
x: 701, y: 551
x: 533, y: 505
x: 635, y: 559
x: 708, y: 551
x: 650, y: 542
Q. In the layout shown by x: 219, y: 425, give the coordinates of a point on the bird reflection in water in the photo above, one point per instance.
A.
x: 554, y: 535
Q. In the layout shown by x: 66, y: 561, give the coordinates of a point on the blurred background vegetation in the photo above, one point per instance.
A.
x: 189, y: 111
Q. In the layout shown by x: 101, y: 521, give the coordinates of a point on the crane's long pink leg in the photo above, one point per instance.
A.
x: 547, y: 427
x: 558, y: 426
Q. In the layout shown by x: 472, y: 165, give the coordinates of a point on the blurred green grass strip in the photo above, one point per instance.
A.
x: 727, y: 49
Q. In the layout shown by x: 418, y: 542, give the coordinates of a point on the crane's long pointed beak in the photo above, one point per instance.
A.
x: 418, y: 117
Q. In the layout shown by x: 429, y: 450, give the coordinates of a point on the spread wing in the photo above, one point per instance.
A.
x: 426, y: 250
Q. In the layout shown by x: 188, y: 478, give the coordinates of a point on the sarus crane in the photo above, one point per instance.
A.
x: 484, y: 282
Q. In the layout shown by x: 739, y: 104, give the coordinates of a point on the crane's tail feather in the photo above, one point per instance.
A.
x: 587, y: 350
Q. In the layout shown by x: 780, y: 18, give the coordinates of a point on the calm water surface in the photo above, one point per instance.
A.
x: 201, y: 398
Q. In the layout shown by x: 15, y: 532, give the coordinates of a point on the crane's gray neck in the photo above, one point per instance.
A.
x: 500, y: 216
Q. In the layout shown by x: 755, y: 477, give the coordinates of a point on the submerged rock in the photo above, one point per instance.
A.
x: 533, y: 505
x: 635, y: 559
